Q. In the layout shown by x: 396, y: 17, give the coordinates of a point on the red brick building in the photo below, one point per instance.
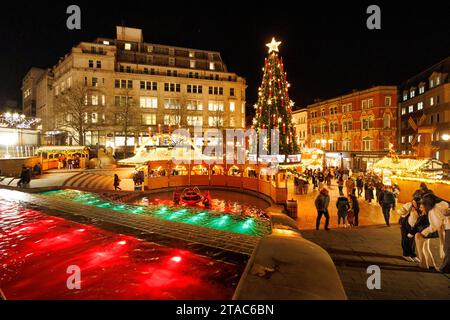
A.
x: 354, y: 129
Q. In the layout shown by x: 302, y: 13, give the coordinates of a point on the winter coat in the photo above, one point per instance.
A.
x: 342, y: 205
x: 438, y: 222
x: 322, y: 202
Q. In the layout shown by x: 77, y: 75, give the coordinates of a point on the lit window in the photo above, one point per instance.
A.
x: 127, y: 46
x: 211, y: 66
x: 411, y: 108
x: 215, y: 121
x: 367, y: 144
x: 431, y: 83
x: 192, y: 64
x: 432, y: 101
x: 149, y: 119
x: 232, y: 106
x: 405, y: 96
x: 95, y: 100
x: 438, y: 81
x: 403, y: 139
x: 195, y: 120
x: 420, y: 106
x: 412, y: 94
x: 403, y: 111
x: 94, y: 117
x: 370, y: 103
x: 191, y: 54
x: 148, y: 102
x: 106, y: 43
x: 410, y: 138
x: 421, y: 89
x: 171, y: 119
x: 215, y: 106
x: 387, y: 101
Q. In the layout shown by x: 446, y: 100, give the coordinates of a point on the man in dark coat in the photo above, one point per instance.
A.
x: 387, y: 202
x: 322, y: 202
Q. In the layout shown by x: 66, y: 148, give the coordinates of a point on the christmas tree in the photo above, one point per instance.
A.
x: 274, y: 108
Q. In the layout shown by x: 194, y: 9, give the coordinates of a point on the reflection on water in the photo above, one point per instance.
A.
x: 36, y: 250
x: 224, y: 215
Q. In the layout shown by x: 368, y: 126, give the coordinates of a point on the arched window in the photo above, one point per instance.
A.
x: 367, y: 144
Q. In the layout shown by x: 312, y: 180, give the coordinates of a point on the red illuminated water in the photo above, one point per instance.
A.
x: 36, y: 249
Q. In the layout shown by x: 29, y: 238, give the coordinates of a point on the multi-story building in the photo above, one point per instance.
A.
x: 300, y: 121
x: 355, y: 129
x: 29, y: 84
x: 424, y: 113
x: 158, y: 88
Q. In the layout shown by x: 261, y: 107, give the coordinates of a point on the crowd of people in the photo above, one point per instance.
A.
x: 66, y: 162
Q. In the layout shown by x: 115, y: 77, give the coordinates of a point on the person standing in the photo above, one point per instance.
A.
x: 387, y: 202
x: 409, y: 214
x: 116, y: 182
x: 343, y: 206
x: 341, y: 186
x: 350, y: 185
x: 355, y: 208
x: 360, y: 185
x: 322, y: 201
x: 321, y: 179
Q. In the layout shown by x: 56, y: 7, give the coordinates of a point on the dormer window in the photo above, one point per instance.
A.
x: 405, y: 96
x: 431, y: 83
x: 421, y: 89
x: 412, y: 93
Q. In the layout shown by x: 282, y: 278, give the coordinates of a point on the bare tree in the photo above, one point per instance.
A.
x: 127, y: 116
x: 72, y: 111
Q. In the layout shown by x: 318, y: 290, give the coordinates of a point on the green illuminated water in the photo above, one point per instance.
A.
x: 258, y: 226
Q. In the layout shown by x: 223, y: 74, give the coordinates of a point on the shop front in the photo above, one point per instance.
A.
x: 363, y: 161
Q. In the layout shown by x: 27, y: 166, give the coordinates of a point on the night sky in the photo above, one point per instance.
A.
x: 327, y: 49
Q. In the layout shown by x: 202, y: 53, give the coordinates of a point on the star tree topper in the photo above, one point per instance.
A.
x: 273, y: 46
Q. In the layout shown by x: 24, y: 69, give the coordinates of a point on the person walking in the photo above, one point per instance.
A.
x: 322, y: 201
x: 116, y: 182
x: 387, y: 202
x: 341, y: 186
x: 343, y: 206
x: 355, y: 208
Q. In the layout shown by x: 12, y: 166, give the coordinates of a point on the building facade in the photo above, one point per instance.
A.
x: 424, y: 113
x: 29, y: 94
x: 355, y: 129
x: 157, y: 88
x: 300, y: 121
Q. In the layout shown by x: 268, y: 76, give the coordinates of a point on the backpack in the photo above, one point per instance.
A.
x: 388, y: 198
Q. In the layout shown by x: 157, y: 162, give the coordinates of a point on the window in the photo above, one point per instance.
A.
x: 211, y: 66
x: 130, y: 84
x: 106, y: 42
x: 403, y: 111
x: 221, y: 91
x: 215, y: 106
x: 148, y: 85
x: 387, y: 101
x: 195, y: 105
x: 405, y: 96
x: 191, y: 54
x: 171, y: 119
x: 195, y: 120
x: 432, y: 101
x: 431, y: 83
x: 69, y: 82
x: 438, y: 81
x: 194, y: 88
x: 323, y: 128
x: 232, y: 92
x: 412, y: 93
x: 91, y: 63
x: 232, y: 106
x: 347, y: 107
x: 94, y: 117
x: 346, y: 145
x: 364, y: 104
x: 411, y: 108
x: 367, y: 123
x: 171, y: 104
x: 386, y: 120
x: 367, y: 144
x: 410, y: 138
x: 99, y: 64
x: 403, y: 139
x: 127, y: 46
x: 232, y: 121
x: 149, y: 119
x: 94, y: 82
x: 172, y: 87
x: 421, y: 89
x: 215, y: 121
x: 420, y: 106
x: 121, y: 101
x: 370, y: 103
x: 103, y: 100
x: 128, y: 69
x: 148, y: 102
x: 94, y: 100
x: 322, y: 112
x: 192, y: 63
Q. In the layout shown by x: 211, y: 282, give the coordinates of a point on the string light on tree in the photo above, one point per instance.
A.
x: 274, y: 108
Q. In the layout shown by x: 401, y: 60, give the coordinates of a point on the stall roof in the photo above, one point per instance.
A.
x: 405, y: 164
x: 49, y: 149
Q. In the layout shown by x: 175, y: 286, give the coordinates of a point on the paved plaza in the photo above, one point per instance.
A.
x: 372, y: 243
